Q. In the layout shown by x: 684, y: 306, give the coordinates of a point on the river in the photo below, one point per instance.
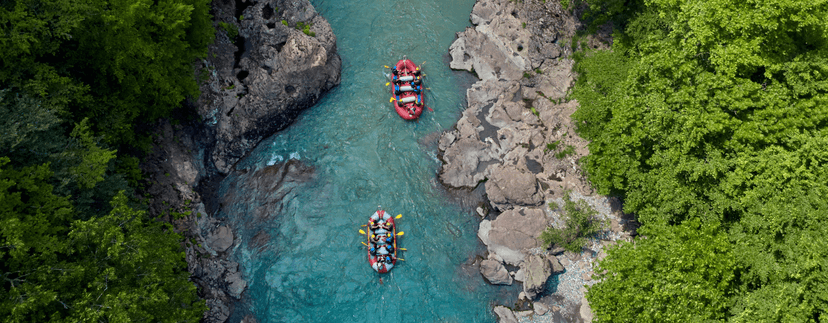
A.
x: 313, y: 268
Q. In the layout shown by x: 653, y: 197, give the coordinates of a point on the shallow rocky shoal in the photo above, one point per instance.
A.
x: 511, y: 139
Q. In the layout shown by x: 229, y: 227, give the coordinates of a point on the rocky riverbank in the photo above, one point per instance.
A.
x: 252, y: 85
x: 517, y: 139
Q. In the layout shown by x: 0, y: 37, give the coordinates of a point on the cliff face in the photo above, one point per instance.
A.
x: 253, y: 85
x: 277, y: 71
x: 517, y: 139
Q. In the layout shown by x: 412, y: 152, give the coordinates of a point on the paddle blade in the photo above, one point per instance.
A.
x: 386, y: 66
x: 400, y: 233
x: 386, y: 83
x: 361, y: 231
x: 392, y: 100
x: 399, y: 216
x: 400, y: 259
x: 363, y: 242
x: 429, y: 109
x: 403, y: 249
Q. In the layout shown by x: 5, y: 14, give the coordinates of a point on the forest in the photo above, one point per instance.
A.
x: 80, y: 84
x: 708, y: 119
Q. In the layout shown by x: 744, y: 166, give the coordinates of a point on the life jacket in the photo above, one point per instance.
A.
x: 407, y: 99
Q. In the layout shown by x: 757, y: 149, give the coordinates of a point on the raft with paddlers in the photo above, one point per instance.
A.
x: 382, y: 241
x: 407, y: 89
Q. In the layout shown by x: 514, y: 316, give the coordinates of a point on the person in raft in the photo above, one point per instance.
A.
x: 377, y: 239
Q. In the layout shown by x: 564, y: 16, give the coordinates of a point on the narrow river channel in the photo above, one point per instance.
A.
x: 313, y: 267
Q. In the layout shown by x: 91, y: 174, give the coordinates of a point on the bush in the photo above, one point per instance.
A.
x: 569, y: 150
x: 582, y: 223
x: 231, y: 29
x: 552, y: 146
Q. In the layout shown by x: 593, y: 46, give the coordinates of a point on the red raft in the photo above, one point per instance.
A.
x: 382, y: 242
x: 407, y: 90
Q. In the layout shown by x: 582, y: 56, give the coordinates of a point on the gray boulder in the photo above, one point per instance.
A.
x: 510, y: 186
x: 495, y: 272
x: 538, y: 271
x: 218, y: 311
x: 540, y: 308
x: 235, y: 284
x: 513, y: 232
x: 557, y: 268
x: 494, y: 48
x: 220, y: 239
x: 505, y: 315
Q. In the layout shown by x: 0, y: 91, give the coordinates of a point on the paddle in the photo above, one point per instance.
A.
x: 386, y: 66
x: 360, y: 231
x: 403, y: 249
x: 399, y: 233
x: 386, y: 83
x: 363, y: 242
x: 400, y: 259
x: 392, y: 100
x: 398, y: 216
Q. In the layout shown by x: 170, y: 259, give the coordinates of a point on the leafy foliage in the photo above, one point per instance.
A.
x: 119, y: 267
x: 682, y: 273
x: 77, y: 81
x: 582, y: 223
x: 713, y: 114
x: 231, y: 29
x: 115, y: 62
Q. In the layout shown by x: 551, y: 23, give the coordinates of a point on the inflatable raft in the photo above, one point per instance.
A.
x: 382, y: 241
x: 407, y: 89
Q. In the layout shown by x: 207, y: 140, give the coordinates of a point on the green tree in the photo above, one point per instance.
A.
x: 713, y: 114
x: 582, y: 224
x: 130, y: 269
x: 115, y: 62
x: 78, y: 79
x: 120, y: 267
x: 33, y: 227
x: 682, y: 273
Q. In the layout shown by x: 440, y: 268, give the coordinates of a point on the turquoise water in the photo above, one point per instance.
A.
x: 313, y: 268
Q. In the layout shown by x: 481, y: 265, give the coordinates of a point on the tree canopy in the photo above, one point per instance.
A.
x: 77, y: 81
x: 710, y: 116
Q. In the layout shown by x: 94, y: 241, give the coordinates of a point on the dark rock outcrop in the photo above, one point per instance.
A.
x: 280, y: 70
x: 257, y: 84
